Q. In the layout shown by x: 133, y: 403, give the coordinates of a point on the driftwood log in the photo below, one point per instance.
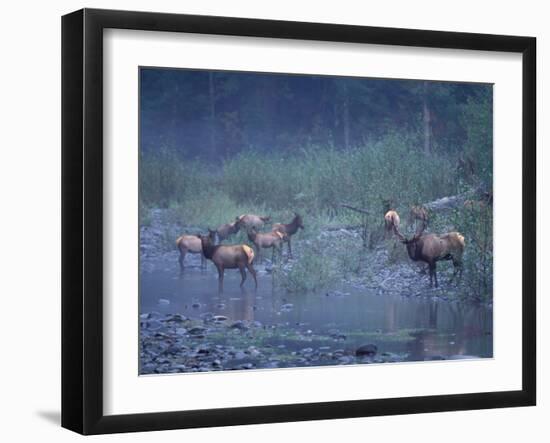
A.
x: 441, y: 204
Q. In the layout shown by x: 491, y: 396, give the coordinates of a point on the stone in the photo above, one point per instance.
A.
x: 368, y: 349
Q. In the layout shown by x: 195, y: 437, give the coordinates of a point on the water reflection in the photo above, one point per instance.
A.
x: 422, y: 328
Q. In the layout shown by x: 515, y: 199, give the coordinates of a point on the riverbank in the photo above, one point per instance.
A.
x: 384, y: 268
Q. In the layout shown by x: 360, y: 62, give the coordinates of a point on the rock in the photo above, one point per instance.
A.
x: 175, y: 318
x: 368, y: 349
x: 338, y: 336
x: 239, y: 325
x: 463, y: 357
x: 173, y: 350
x: 240, y: 355
x: 181, y: 331
x: 154, y: 324
x: 196, y: 305
x: 164, y: 301
x: 197, y: 330
x: 219, y: 318
x: 287, y: 307
x: 336, y: 294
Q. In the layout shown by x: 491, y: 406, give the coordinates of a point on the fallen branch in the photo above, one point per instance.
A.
x: 353, y: 208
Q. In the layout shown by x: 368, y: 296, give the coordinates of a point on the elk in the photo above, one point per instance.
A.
x: 289, y: 229
x: 431, y: 248
x: 417, y: 213
x: 228, y: 257
x: 191, y: 244
x: 273, y: 240
x: 227, y: 229
x: 248, y: 221
x: 391, y: 222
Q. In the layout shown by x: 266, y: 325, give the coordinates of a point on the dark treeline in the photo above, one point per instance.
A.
x: 214, y: 114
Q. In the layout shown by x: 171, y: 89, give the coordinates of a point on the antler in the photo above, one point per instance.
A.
x: 420, y: 230
x: 398, y: 234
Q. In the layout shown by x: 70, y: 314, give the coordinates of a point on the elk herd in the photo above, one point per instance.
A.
x: 240, y: 256
x: 421, y: 247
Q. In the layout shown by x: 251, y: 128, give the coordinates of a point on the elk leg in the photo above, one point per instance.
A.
x: 253, y: 272
x: 203, y: 261
x: 433, y: 274
x: 289, y: 248
x: 243, y: 274
x: 182, y: 257
x: 220, y: 278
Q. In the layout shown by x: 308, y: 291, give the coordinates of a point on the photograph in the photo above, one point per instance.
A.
x: 297, y: 220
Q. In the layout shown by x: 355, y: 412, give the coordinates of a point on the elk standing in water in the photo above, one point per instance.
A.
x: 228, y: 257
x: 191, y: 244
x: 273, y: 240
x: 248, y: 221
x: 431, y: 248
x: 226, y: 230
x: 289, y: 229
x: 391, y: 222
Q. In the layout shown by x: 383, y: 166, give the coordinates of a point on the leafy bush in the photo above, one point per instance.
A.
x: 311, y: 273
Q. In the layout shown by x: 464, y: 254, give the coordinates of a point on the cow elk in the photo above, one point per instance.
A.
x: 248, y: 221
x: 431, y: 248
x: 189, y: 244
x: 288, y: 230
x: 418, y: 213
x: 228, y: 257
x: 391, y: 223
x: 226, y: 230
x: 273, y: 240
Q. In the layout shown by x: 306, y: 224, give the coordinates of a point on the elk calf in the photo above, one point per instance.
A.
x: 431, y: 248
x: 273, y: 240
x: 289, y: 229
x: 189, y: 244
x: 228, y: 257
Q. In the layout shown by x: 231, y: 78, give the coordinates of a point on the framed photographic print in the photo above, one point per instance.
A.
x: 269, y: 221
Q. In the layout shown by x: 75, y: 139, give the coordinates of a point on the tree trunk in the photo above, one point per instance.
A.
x: 427, y: 121
x: 212, y: 97
x: 346, y: 116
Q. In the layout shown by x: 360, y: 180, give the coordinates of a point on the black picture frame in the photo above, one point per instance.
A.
x: 82, y: 219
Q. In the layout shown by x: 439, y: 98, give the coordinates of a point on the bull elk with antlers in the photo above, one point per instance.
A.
x: 431, y: 248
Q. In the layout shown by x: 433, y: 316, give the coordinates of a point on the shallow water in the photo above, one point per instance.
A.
x: 416, y: 328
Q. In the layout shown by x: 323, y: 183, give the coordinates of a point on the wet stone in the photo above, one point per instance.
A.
x: 239, y: 325
x: 197, y: 331
x: 368, y: 349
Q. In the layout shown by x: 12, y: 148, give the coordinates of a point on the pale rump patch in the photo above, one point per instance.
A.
x: 279, y: 234
x: 249, y: 253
